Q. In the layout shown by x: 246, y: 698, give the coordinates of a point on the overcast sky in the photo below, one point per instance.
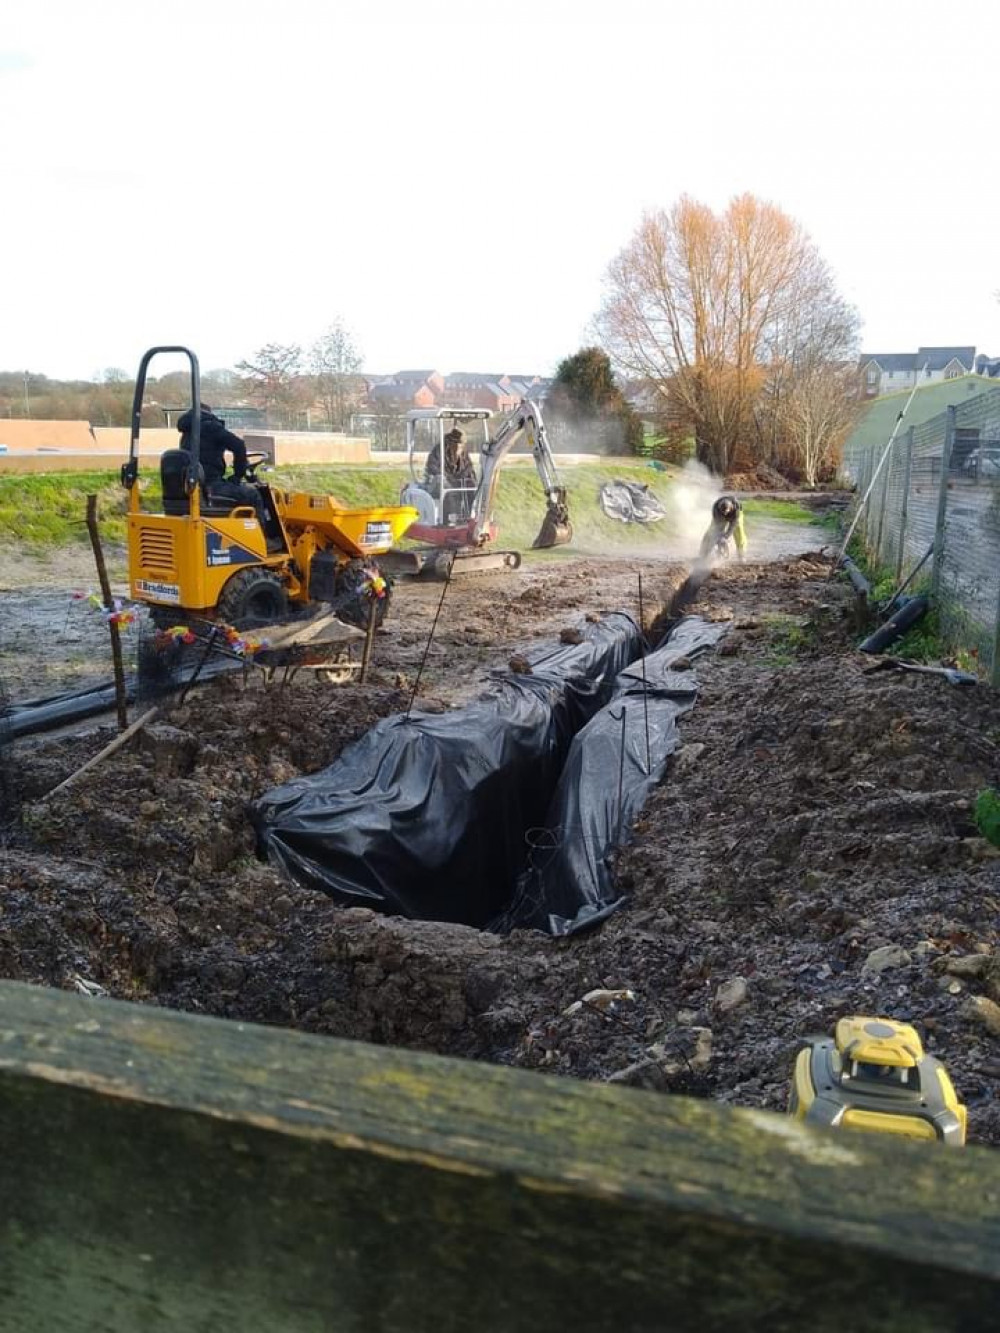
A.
x: 452, y: 177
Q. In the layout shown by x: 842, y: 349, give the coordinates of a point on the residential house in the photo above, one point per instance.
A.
x: 429, y: 388
x: 395, y: 396
x: 988, y: 366
x: 889, y: 372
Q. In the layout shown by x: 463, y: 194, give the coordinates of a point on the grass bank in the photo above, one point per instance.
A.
x: 46, y: 511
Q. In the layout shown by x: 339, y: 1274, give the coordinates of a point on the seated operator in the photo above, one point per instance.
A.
x: 727, y: 522
x: 459, y: 469
x: 216, y: 441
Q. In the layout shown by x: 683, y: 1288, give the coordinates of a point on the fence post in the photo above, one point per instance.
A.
x: 867, y: 512
x: 904, y: 512
x: 882, y: 507
x: 942, y: 511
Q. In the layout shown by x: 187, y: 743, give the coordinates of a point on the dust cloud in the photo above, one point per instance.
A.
x: 688, y: 501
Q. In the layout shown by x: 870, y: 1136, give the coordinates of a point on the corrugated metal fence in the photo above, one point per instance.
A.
x: 941, y: 487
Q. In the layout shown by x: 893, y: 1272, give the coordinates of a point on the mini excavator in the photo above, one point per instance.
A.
x: 213, y: 558
x: 456, y: 522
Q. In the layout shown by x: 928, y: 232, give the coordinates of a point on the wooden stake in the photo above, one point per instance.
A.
x: 366, y: 656
x: 121, y: 697
x: 114, y: 745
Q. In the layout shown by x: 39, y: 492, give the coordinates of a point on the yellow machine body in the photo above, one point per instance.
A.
x: 873, y: 1076
x: 185, y: 561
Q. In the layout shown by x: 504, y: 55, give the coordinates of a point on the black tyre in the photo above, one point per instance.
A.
x: 352, y: 602
x: 165, y: 617
x: 253, y: 597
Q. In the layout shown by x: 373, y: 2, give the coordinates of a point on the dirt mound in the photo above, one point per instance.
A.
x: 760, y: 478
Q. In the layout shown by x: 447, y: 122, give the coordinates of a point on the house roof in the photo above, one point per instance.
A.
x: 933, y: 358
x: 413, y: 376
x: 470, y: 379
x: 936, y: 358
x: 891, y: 360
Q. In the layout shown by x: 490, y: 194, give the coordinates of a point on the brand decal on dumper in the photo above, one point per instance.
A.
x: 165, y: 592
x: 222, y: 550
x: 377, y: 533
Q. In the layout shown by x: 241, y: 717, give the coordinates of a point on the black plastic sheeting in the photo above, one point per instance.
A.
x: 604, y: 785
x: 426, y: 817
x: 35, y: 715
x: 58, y: 710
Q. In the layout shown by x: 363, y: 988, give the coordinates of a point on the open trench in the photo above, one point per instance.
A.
x: 810, y: 817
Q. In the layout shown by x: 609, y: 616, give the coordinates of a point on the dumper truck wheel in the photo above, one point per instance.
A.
x: 353, y: 601
x: 254, y: 596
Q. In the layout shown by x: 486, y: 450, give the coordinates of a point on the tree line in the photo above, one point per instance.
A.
x: 319, y: 385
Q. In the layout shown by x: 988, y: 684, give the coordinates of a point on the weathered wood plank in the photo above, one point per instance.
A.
x: 160, y: 1171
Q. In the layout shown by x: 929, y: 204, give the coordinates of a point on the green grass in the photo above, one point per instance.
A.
x: 789, y: 511
x: 787, y: 638
x: 987, y: 815
x: 49, y: 509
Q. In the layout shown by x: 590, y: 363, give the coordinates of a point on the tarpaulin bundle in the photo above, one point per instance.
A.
x: 630, y: 502
x: 605, y: 782
x: 425, y: 817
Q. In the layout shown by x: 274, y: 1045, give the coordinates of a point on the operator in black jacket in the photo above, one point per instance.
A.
x: 216, y: 441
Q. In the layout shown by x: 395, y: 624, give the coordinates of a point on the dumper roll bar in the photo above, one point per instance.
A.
x: 130, y: 470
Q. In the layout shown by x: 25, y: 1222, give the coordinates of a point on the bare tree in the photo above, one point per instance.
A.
x: 703, y: 307
x: 271, y: 377
x: 819, y: 411
x: 335, y: 360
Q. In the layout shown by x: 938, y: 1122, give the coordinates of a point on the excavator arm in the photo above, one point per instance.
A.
x: 525, y: 420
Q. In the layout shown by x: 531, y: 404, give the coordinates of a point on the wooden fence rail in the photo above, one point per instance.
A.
x: 163, y: 1171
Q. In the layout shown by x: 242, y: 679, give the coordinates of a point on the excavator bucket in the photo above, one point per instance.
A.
x: 556, y: 529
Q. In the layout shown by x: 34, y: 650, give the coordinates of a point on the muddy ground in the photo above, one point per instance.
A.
x: 810, y: 854
x: 52, y: 639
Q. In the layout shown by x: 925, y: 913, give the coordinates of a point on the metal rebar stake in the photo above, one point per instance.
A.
x: 645, y: 685
x: 430, y: 638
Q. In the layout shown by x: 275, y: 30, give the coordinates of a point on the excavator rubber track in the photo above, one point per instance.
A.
x: 435, y: 561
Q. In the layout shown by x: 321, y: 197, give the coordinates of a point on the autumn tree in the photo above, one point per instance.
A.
x: 706, y: 308
x: 335, y: 360
x: 819, y: 410
x: 271, y: 378
x: 586, y: 399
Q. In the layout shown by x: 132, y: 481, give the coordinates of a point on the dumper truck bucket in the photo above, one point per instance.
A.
x: 357, y: 531
x: 556, y: 529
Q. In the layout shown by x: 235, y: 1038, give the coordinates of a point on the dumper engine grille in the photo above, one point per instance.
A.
x: 156, y: 548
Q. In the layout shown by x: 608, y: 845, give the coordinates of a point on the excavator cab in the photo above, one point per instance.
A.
x: 445, y: 490
x: 456, y: 502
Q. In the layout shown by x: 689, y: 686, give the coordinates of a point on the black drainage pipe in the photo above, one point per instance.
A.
x: 912, y: 610
x: 858, y: 579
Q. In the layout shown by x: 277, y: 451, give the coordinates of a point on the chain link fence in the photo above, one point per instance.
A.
x: 939, y: 492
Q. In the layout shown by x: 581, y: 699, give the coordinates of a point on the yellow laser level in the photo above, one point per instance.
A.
x: 874, y: 1076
